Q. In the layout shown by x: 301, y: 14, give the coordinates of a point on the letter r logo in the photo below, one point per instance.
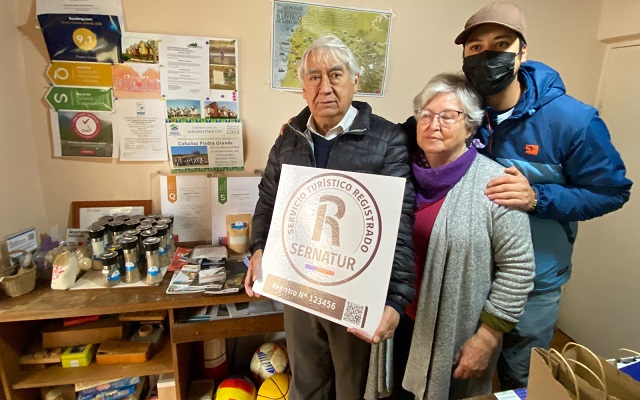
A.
x: 332, y: 221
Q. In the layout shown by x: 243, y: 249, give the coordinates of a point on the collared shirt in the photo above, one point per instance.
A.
x: 337, y: 130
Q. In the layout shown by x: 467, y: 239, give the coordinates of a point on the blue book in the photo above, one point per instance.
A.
x: 632, y: 368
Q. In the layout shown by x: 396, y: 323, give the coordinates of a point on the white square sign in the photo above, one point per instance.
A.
x: 331, y: 244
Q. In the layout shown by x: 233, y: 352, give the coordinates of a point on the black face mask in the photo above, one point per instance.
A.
x: 490, y: 72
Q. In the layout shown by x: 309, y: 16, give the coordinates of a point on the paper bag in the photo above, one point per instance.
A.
x: 542, y: 383
x: 617, y: 383
x: 551, y: 377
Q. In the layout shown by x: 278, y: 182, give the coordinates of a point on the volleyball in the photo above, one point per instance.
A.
x: 268, y: 359
x: 236, y: 388
x: 276, y: 387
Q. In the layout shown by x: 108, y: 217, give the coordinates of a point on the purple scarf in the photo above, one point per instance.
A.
x: 435, y: 183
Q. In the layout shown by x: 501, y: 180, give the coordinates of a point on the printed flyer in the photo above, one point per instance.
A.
x: 331, y: 244
x: 205, y: 146
x: 141, y: 130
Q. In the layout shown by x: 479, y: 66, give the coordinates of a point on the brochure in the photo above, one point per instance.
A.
x: 209, y: 277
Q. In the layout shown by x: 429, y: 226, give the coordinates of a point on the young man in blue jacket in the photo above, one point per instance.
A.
x: 561, y: 165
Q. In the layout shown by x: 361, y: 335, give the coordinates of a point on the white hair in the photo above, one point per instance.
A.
x: 457, y: 84
x: 329, y: 48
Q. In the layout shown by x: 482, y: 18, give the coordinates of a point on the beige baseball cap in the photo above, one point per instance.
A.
x: 505, y: 14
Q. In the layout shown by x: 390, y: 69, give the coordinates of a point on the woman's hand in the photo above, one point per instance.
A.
x: 255, y: 263
x: 388, y: 325
x: 475, y: 354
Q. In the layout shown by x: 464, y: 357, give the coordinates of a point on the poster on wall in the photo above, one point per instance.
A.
x: 184, y: 110
x: 136, y: 81
x: 82, y: 37
x: 297, y: 25
x: 83, y: 134
x: 184, y: 68
x: 95, y: 7
x: 331, y: 244
x: 68, y: 73
x: 141, y: 129
x: 139, y: 76
x: 223, y: 70
x: 69, y: 98
x: 231, y: 196
x: 205, y: 146
x: 188, y: 199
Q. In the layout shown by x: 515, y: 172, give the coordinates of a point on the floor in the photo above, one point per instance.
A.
x: 559, y: 340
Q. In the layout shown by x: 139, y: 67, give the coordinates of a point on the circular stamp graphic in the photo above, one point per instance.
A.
x: 85, y: 125
x: 331, y: 229
x: 85, y: 39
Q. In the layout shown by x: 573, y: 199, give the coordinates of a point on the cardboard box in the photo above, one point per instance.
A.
x: 166, y: 387
x: 77, y: 356
x: 122, y: 352
x: 56, y: 335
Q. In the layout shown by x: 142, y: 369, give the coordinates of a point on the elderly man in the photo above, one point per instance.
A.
x: 338, y: 133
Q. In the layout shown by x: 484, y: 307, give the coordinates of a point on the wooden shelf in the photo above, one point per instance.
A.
x: 45, y: 303
x: 56, y: 375
x: 228, y: 327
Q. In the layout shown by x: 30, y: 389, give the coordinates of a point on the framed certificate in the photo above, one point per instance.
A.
x: 84, y: 213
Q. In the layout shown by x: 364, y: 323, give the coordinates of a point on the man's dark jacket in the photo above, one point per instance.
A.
x: 372, y: 145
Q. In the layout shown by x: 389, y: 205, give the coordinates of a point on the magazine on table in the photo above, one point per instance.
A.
x: 235, y: 269
x: 210, y: 277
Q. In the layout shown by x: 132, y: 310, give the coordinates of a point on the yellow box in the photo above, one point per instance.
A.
x: 77, y: 356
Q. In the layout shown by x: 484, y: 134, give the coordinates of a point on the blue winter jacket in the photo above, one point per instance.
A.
x: 564, y: 149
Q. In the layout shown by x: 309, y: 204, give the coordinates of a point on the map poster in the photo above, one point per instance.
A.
x: 331, y: 244
x: 205, y: 146
x: 297, y: 25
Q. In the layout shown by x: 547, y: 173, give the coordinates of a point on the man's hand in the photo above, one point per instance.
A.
x: 388, y: 325
x: 255, y: 263
x: 475, y: 354
x: 511, y: 190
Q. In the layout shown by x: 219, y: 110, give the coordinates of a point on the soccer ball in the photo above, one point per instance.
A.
x: 268, y: 359
x: 276, y: 387
x: 236, y: 388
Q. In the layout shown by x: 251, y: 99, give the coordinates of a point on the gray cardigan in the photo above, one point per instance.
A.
x: 480, y: 257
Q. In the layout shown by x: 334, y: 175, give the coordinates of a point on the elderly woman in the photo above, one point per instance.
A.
x: 473, y: 259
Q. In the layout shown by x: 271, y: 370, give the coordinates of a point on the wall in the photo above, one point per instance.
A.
x: 619, y: 21
x: 606, y: 256
x: 22, y: 200
x: 421, y: 46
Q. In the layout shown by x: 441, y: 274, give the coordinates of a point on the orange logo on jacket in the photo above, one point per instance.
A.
x: 531, y: 149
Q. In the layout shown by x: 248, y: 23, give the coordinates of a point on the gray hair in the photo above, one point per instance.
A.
x: 457, y: 84
x: 329, y: 47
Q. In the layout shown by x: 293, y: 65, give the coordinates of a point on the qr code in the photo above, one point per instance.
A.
x: 354, y: 313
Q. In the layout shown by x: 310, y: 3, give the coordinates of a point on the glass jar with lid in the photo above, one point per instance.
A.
x: 167, y: 219
x: 110, y: 269
x: 96, y: 236
x: 116, y: 228
x: 130, y: 252
x: 152, y: 255
x: 163, y: 233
